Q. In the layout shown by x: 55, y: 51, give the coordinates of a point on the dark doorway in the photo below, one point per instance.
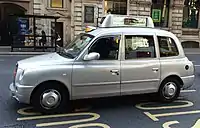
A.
x: 59, y: 32
x: 5, y: 21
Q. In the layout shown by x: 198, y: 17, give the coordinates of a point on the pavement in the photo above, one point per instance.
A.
x: 6, y: 50
x: 138, y: 111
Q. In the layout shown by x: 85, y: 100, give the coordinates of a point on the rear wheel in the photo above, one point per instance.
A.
x: 50, y: 98
x: 169, y: 90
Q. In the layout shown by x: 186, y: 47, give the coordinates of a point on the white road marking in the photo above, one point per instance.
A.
x: 188, y: 90
x: 197, y: 65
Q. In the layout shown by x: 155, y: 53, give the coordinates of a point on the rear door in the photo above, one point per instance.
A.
x: 140, y: 66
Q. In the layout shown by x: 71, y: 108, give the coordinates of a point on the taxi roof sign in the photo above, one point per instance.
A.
x: 112, y: 20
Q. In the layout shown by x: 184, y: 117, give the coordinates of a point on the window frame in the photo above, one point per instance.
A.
x: 86, y: 50
x: 63, y: 5
x: 140, y: 34
x: 174, y: 43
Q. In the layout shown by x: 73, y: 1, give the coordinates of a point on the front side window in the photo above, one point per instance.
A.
x: 107, y: 47
x: 78, y: 44
x: 167, y: 47
x: 160, y: 12
x: 191, y: 13
x: 139, y: 47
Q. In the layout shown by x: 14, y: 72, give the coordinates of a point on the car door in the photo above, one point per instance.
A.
x: 140, y: 67
x: 98, y: 78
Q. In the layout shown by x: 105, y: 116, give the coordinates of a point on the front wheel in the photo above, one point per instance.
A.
x: 50, y: 99
x: 169, y: 90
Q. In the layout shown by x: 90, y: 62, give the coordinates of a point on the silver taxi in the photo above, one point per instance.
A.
x: 105, y: 62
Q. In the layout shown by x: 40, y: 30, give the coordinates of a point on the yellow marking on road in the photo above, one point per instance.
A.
x: 151, y: 116
x: 188, y: 90
x: 167, y: 124
x: 90, y: 125
x: 95, y: 117
x: 23, y: 112
x: 57, y: 115
x: 188, y: 104
x: 154, y: 116
x: 197, y: 124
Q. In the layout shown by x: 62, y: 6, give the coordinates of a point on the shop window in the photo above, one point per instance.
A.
x: 160, y: 12
x: 190, y: 13
x: 115, y: 7
x: 56, y: 3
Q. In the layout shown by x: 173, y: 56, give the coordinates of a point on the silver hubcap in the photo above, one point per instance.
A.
x: 50, y: 99
x: 169, y: 90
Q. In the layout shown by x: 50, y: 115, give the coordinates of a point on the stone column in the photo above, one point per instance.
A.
x: 177, y: 17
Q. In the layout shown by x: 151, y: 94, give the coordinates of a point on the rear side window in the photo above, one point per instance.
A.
x: 167, y: 47
x: 138, y: 46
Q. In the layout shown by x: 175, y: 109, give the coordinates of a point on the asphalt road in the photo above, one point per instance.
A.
x: 118, y: 112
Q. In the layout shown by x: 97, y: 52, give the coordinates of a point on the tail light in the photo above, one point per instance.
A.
x: 15, y: 71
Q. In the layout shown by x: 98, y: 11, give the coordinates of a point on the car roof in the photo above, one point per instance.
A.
x: 106, y: 31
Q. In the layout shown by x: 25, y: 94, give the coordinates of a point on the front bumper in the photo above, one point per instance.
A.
x: 188, y: 81
x: 21, y: 93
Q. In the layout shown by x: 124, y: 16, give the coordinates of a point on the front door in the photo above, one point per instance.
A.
x: 140, y: 68
x: 98, y: 78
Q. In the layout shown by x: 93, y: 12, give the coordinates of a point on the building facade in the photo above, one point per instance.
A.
x: 8, y: 7
x: 178, y: 16
x: 59, y: 8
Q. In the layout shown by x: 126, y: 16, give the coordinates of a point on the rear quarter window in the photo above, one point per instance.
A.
x: 167, y: 47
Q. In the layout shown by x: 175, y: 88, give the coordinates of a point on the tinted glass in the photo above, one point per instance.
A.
x: 167, y: 47
x: 139, y: 47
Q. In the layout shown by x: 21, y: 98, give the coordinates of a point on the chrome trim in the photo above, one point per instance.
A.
x: 188, y: 76
x: 96, y: 84
x: 139, y: 81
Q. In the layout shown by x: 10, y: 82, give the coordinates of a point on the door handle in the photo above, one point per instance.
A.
x: 114, y: 72
x: 155, y: 69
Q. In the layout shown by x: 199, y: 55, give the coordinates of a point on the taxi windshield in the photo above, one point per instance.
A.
x: 77, y: 45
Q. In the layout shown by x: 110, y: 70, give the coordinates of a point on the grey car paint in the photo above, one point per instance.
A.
x: 98, y: 78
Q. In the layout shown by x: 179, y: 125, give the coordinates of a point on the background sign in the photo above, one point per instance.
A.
x: 156, y: 15
x: 23, y: 25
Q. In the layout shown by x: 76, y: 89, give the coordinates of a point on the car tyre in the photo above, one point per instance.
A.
x: 50, y: 98
x: 169, y: 90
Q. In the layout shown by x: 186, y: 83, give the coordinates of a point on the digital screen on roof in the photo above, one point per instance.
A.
x: 132, y: 21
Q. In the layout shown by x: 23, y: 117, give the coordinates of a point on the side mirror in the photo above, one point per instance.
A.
x: 92, y: 56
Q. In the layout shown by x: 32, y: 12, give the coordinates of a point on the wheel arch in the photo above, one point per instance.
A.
x: 174, y: 77
x: 58, y: 83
